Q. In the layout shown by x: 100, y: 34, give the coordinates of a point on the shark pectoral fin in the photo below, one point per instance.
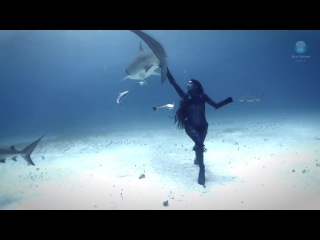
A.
x: 2, y: 160
x: 14, y: 158
x: 147, y: 68
x: 124, y: 78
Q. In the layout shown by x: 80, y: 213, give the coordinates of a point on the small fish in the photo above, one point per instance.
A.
x: 168, y: 106
x: 121, y: 96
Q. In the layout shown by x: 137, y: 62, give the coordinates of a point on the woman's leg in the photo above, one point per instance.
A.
x: 203, y: 133
x: 198, y: 136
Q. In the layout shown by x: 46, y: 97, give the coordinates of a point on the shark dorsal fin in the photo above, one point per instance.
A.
x: 140, y: 47
x: 13, y: 148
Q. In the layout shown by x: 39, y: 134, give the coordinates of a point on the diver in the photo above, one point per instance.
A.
x: 191, y: 117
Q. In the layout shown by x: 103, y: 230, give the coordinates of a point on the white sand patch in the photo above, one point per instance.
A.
x: 252, y: 164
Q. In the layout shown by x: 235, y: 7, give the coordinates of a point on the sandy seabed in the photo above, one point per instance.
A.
x: 250, y: 164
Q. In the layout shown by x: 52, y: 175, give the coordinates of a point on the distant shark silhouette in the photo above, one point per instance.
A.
x: 143, y: 66
x: 157, y: 49
x: 250, y: 98
x: 12, y: 153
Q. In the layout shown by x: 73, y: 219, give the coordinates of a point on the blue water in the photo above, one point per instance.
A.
x: 61, y: 82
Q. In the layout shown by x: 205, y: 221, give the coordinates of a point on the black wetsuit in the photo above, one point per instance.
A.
x: 195, y: 123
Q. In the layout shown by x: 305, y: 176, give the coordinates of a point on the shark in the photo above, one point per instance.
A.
x: 13, y: 153
x: 157, y: 49
x: 250, y: 98
x: 143, y: 66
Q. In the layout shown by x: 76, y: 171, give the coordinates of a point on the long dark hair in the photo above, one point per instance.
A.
x: 181, y: 113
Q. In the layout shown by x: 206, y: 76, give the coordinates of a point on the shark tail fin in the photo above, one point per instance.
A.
x: 164, y: 69
x: 2, y: 160
x: 28, y: 150
x: 140, y: 47
x: 154, y: 108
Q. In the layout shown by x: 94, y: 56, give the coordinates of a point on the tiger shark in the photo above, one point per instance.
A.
x: 143, y: 66
x: 12, y: 153
x: 157, y: 49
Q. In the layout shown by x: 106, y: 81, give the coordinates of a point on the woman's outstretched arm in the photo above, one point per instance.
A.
x: 173, y: 82
x: 219, y: 104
